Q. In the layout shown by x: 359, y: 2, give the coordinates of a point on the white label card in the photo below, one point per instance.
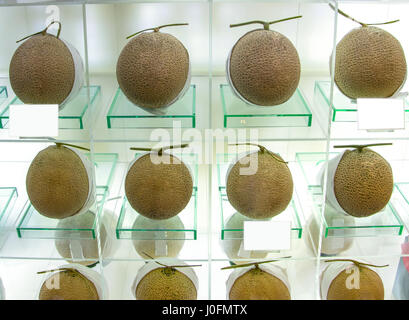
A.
x: 267, y: 235
x: 381, y: 114
x: 33, y: 120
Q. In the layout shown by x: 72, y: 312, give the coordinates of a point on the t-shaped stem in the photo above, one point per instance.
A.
x: 262, y: 149
x: 156, y: 29
x: 361, y: 23
x: 360, y: 147
x: 265, y: 24
x: 160, y: 151
x: 44, y: 31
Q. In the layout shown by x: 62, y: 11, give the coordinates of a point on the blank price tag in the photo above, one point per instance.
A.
x: 33, y: 120
x: 381, y: 114
x: 267, y: 235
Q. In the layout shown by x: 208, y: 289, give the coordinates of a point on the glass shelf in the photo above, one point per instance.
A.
x: 403, y: 188
x: 385, y: 222
x: 238, y: 114
x: 8, y: 196
x: 36, y: 226
x: 72, y: 116
x: 227, y: 211
x: 126, y: 228
x: 124, y: 114
x: 3, y: 94
x: 105, y: 164
x: 344, y: 109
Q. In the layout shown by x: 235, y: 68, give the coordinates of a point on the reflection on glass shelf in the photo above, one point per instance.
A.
x: 238, y: 114
x: 344, y: 109
x: 129, y: 228
x: 8, y: 196
x: 385, y: 222
x: 124, y: 114
x: 105, y: 164
x: 3, y: 94
x: 227, y: 211
x: 72, y: 116
x: 403, y: 188
x: 36, y: 226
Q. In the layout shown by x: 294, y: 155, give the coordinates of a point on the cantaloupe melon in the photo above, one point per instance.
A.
x: 369, y: 62
x: 363, y: 182
x: 264, y: 193
x: 68, y: 285
x: 158, y: 189
x: 263, y: 68
x: 257, y: 284
x: 46, y: 70
x: 357, y: 283
x: 153, y: 70
x: 57, y: 182
x: 155, y: 282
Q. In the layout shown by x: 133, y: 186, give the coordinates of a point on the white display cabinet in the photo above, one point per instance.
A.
x: 210, y: 117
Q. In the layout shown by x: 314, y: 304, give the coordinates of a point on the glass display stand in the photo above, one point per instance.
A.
x: 238, y: 114
x: 36, y: 226
x: 336, y: 224
x: 8, y: 196
x: 403, y: 188
x: 72, y: 116
x: 344, y: 109
x: 132, y: 225
x: 124, y: 114
x: 3, y: 94
x: 127, y: 227
x: 227, y: 211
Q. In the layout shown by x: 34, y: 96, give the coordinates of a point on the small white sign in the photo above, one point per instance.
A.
x: 267, y: 235
x: 33, y: 120
x: 381, y: 114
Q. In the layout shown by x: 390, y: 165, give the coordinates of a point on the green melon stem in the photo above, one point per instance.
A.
x: 361, y: 23
x: 266, y: 24
x: 262, y: 150
x: 59, y: 144
x: 156, y: 29
x: 360, y: 147
x: 160, y: 151
x: 54, y: 270
x: 172, y: 267
x: 357, y: 263
x: 44, y: 31
x: 250, y: 264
